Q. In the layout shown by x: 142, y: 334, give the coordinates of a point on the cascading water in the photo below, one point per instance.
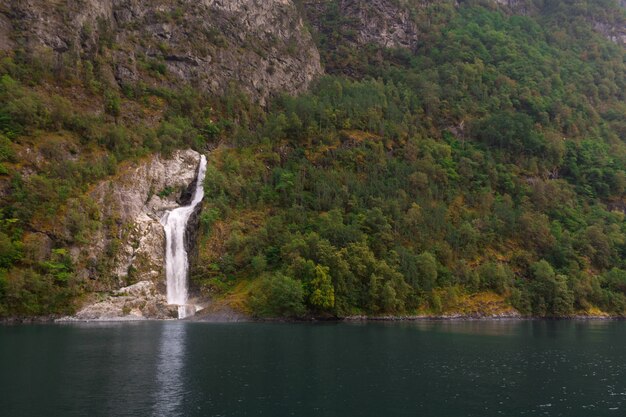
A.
x: 176, y: 261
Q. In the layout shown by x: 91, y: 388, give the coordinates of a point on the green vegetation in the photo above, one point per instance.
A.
x: 487, y: 161
x: 52, y: 149
x: 489, y: 165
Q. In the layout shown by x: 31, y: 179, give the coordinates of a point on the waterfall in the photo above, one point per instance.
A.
x: 176, y: 261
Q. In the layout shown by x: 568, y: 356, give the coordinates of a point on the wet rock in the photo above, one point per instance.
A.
x: 130, y: 245
x: 136, y: 302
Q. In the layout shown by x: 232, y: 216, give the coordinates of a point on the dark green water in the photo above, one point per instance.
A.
x: 443, y: 369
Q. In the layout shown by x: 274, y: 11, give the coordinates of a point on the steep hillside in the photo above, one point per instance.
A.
x: 456, y: 157
x: 90, y: 91
x: 480, y: 167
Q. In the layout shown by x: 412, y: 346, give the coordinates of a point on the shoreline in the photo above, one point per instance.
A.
x: 350, y: 319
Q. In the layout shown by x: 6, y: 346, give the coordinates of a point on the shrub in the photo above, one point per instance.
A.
x: 427, y: 270
x: 495, y: 276
x: 258, y: 263
x: 278, y: 296
x: 112, y: 104
x: 9, y: 251
x: 615, y: 280
x: 551, y: 295
x: 6, y: 150
x: 208, y: 218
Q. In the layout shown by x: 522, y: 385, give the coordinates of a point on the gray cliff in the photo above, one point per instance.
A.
x: 260, y: 45
x: 130, y: 247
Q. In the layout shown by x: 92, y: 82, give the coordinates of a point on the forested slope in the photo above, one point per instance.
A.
x: 479, y: 168
x: 467, y: 158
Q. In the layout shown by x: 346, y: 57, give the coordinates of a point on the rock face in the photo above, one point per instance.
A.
x: 260, y: 45
x: 128, y: 251
x: 136, y: 302
x: 518, y: 6
x: 389, y: 23
x: 131, y: 243
x: 381, y: 22
x: 614, y: 33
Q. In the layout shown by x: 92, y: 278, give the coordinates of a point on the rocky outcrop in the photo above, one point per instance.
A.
x: 260, y: 45
x: 391, y: 24
x: 381, y: 22
x: 136, y: 302
x: 522, y: 7
x: 128, y: 250
x: 614, y: 33
x: 129, y: 246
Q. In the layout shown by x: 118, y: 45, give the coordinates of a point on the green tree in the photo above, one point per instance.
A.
x: 322, y: 295
x: 615, y: 280
x: 10, y: 251
x: 551, y: 294
x: 278, y: 296
x: 112, y: 104
x: 427, y: 271
x: 495, y: 276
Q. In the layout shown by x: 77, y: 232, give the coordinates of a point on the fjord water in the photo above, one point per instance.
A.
x: 177, y: 368
x: 176, y: 260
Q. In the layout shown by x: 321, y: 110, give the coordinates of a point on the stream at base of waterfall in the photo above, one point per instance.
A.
x: 176, y: 259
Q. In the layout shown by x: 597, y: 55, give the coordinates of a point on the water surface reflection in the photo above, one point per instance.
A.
x: 170, y: 390
x: 425, y: 369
